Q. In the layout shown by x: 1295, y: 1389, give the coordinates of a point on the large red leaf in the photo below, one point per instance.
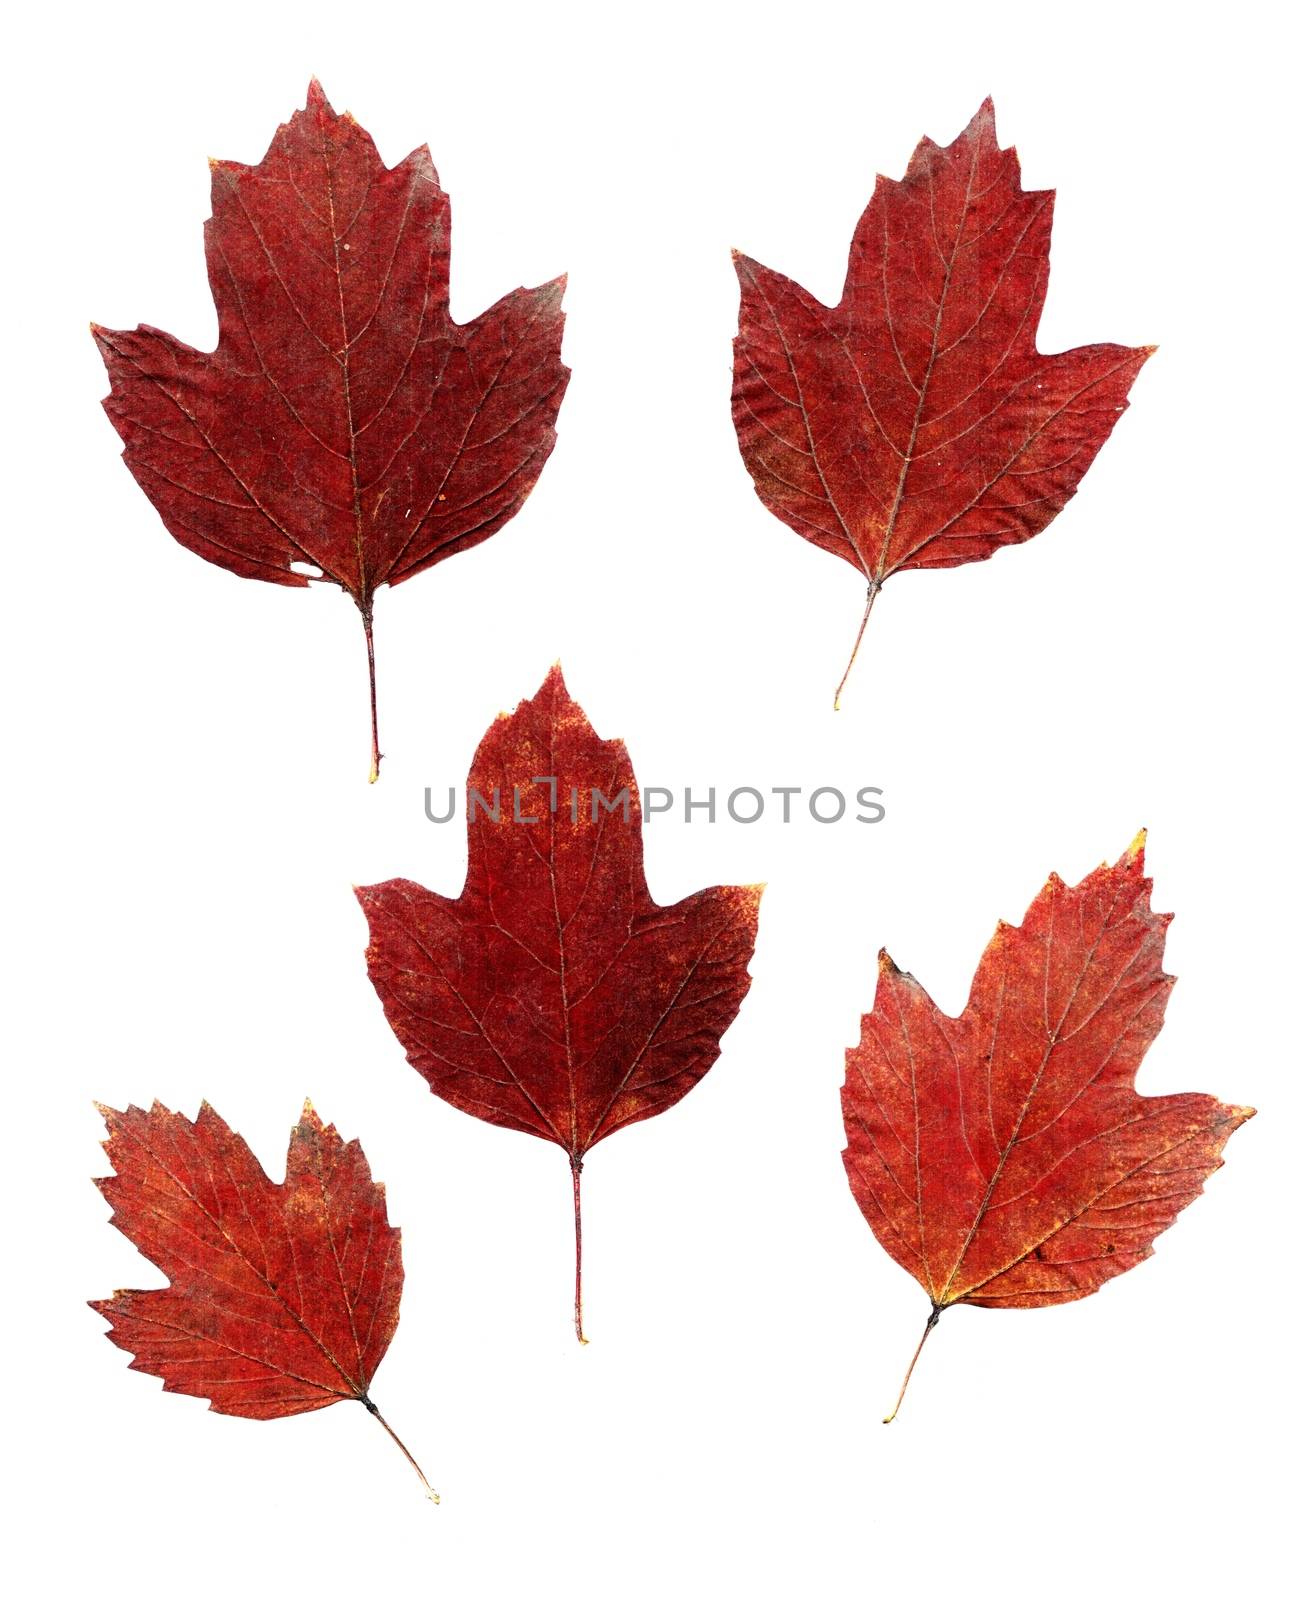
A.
x: 344, y: 421
x: 554, y: 996
x: 283, y: 1297
x: 915, y: 424
x: 1003, y: 1157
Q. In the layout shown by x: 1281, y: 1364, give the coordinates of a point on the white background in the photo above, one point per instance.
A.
x: 189, y: 807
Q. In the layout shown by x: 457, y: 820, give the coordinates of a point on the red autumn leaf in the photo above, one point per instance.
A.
x: 1003, y: 1157
x: 344, y: 421
x: 284, y: 1296
x: 915, y: 424
x: 554, y: 996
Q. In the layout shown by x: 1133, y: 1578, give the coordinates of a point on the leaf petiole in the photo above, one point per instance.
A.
x: 370, y: 665
x: 874, y: 587
x: 576, y: 1167
x: 375, y: 1412
x: 932, y: 1320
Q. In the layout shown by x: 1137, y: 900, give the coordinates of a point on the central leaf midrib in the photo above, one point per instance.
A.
x: 361, y: 595
x: 906, y: 460
x: 1032, y: 1091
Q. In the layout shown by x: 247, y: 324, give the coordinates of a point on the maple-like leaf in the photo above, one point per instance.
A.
x: 1003, y: 1157
x: 554, y: 996
x: 344, y: 422
x: 283, y: 1297
x: 915, y: 424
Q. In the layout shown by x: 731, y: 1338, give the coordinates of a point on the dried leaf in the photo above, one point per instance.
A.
x: 283, y: 1296
x: 344, y: 421
x: 1003, y: 1157
x: 554, y: 996
x: 915, y: 424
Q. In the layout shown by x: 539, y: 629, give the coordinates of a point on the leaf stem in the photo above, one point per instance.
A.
x: 375, y: 1412
x: 932, y: 1320
x: 576, y: 1167
x: 370, y: 665
x: 873, y: 587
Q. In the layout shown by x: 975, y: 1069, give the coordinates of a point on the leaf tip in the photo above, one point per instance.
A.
x: 1135, y: 849
x: 982, y: 121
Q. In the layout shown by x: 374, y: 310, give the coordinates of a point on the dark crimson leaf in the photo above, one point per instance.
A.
x: 915, y: 424
x: 554, y: 996
x: 344, y: 421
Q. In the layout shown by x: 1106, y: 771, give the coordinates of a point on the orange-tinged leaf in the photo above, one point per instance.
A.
x: 283, y: 1297
x: 1004, y: 1157
x: 554, y: 996
x: 915, y: 424
x: 344, y: 422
